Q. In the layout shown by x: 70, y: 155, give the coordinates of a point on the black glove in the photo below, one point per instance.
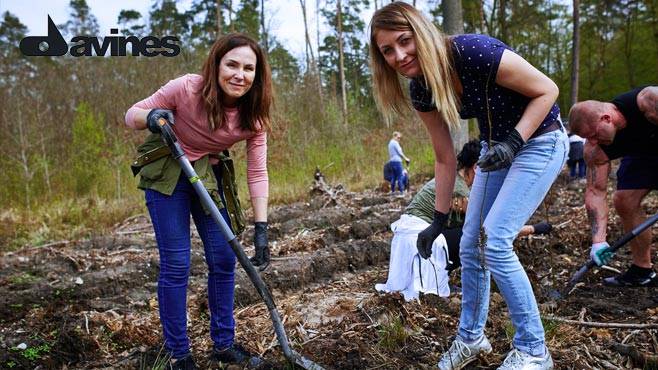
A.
x: 542, y: 228
x: 261, y: 258
x: 502, y: 154
x: 154, y: 116
x: 426, y: 237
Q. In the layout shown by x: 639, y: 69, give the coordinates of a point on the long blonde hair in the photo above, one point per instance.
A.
x: 433, y: 56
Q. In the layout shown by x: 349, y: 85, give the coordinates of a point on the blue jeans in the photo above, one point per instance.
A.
x: 171, y: 221
x: 508, y: 198
x: 397, y: 176
x: 581, y: 168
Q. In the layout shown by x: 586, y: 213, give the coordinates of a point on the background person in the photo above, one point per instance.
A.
x: 228, y: 103
x: 395, y: 157
x: 626, y: 128
x: 576, y: 160
x: 525, y: 147
x: 407, y: 272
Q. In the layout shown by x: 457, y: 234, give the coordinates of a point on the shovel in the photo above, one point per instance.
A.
x: 177, y: 152
x: 613, y: 248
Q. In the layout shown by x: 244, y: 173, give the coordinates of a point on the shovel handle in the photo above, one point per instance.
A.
x: 613, y: 248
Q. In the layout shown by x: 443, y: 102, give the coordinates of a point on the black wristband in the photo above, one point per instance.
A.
x: 515, y: 140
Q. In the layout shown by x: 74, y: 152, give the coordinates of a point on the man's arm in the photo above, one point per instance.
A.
x: 598, y: 169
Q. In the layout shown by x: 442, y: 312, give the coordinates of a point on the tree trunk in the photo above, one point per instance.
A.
x: 575, y: 52
x: 502, y: 21
x: 453, y: 24
x: 317, y: 61
x: 220, y: 24
x: 311, y: 64
x: 307, y: 39
x: 341, y: 62
x: 262, y: 25
x: 628, y: 44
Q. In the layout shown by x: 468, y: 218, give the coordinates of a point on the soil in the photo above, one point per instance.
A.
x: 92, y: 303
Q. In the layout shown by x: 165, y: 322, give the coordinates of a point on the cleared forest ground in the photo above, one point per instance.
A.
x: 92, y: 303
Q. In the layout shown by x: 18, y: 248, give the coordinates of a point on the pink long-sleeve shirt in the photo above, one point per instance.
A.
x: 191, y: 128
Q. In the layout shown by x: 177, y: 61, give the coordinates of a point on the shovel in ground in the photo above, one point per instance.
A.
x: 177, y: 152
x: 613, y: 248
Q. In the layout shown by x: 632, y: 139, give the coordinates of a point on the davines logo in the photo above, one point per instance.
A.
x: 55, y: 45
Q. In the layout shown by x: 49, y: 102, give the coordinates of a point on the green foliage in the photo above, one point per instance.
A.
x: 66, y: 166
x: 550, y: 329
x: 160, y: 362
x: 129, y: 22
x: 23, y: 278
x: 283, y: 65
x: 34, y: 353
x: 167, y: 20
x: 357, y: 73
x: 392, y: 334
x: 87, y: 149
x: 81, y: 22
x: 247, y: 19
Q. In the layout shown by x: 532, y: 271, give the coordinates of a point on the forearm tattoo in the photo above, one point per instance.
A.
x: 592, y: 174
x: 593, y: 219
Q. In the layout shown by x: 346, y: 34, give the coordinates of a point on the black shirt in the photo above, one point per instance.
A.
x: 639, y: 137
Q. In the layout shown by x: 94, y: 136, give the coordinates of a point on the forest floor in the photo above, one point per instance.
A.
x: 92, y: 303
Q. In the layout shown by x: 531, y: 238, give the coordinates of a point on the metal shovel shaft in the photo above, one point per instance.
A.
x: 209, y: 204
x: 613, y: 248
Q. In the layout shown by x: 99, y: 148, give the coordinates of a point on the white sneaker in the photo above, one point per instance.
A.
x: 517, y: 360
x: 461, y: 353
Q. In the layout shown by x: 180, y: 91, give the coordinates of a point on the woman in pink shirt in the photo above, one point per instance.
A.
x: 229, y: 102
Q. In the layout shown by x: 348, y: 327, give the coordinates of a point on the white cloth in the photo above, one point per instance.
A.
x: 403, y: 273
x: 576, y: 139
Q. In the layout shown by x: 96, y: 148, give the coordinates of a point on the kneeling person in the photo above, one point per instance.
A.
x: 409, y: 273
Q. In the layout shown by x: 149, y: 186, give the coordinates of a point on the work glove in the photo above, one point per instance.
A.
x: 542, y: 228
x: 261, y: 258
x: 154, y: 116
x: 501, y: 154
x: 601, y: 254
x: 426, y: 237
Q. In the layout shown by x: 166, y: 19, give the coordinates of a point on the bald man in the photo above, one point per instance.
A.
x: 627, y: 128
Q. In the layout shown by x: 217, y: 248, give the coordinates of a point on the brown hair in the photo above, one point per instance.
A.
x: 254, y: 106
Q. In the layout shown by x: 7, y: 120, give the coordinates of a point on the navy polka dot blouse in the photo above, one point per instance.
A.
x: 477, y: 58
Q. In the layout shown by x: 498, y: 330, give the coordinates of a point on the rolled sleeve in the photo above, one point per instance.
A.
x: 257, y: 178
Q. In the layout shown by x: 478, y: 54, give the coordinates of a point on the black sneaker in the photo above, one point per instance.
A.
x: 633, y: 278
x: 236, y: 354
x: 185, y: 363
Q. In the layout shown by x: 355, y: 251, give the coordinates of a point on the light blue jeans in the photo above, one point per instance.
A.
x: 506, y: 199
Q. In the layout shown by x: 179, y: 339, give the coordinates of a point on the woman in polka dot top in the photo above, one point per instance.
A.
x: 524, y: 148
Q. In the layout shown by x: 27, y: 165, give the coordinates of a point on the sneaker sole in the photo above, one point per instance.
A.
x: 463, y: 365
x: 623, y: 284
